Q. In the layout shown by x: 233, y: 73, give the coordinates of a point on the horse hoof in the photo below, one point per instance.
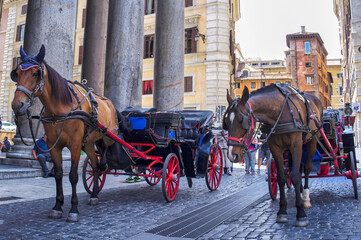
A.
x: 103, y: 167
x: 301, y: 222
x: 55, y: 214
x: 282, y: 218
x: 307, y: 204
x: 73, y: 217
x: 93, y: 201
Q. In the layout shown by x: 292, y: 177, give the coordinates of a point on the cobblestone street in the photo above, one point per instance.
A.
x: 128, y: 210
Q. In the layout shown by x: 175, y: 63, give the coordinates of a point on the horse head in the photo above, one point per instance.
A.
x: 237, y: 121
x: 29, y: 77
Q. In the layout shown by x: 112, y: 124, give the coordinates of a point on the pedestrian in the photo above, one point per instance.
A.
x: 250, y: 156
x: 264, y: 151
x: 1, y: 124
x: 42, y: 155
x: 221, y: 139
x: 5, y: 145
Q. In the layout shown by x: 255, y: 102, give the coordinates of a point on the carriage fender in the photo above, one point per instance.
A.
x: 203, y: 152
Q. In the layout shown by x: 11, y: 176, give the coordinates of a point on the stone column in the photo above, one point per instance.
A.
x: 93, y: 67
x: 169, y: 56
x: 124, y: 56
x: 51, y: 23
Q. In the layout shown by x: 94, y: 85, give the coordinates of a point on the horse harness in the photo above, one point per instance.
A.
x: 249, y: 118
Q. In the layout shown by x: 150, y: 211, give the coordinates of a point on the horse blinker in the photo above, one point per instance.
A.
x: 14, y: 75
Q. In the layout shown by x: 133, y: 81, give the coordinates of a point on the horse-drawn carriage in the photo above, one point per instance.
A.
x: 161, y: 146
x: 335, y: 150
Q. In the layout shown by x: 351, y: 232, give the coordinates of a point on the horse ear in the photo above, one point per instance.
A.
x: 41, y: 54
x: 245, y: 94
x: 22, y: 53
x: 229, y: 98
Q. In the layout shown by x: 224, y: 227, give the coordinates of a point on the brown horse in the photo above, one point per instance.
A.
x: 292, y: 119
x: 35, y: 78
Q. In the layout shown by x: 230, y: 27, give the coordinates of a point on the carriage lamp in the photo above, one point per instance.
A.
x: 348, y: 109
x: 196, y: 37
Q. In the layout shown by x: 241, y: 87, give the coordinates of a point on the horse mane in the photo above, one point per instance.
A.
x: 268, y: 88
x: 59, y: 86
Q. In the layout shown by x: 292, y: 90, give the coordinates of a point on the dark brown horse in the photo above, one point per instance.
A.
x: 296, y: 120
x: 35, y: 78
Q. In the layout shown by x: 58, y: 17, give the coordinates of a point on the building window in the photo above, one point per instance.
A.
x: 253, y: 85
x: 188, y: 84
x: 190, y: 45
x: 148, y: 46
x: 309, y: 80
x: 245, y: 73
x: 275, y: 63
x: 238, y: 85
x: 16, y: 62
x: 331, y: 90
x: 24, y: 9
x: 149, y: 7
x: 84, y: 18
x: 80, y: 60
x: 339, y: 75
x: 264, y: 64
x: 308, y: 65
x: 288, y: 83
x: 278, y: 83
x: 147, y: 87
x: 188, y: 3
x: 307, y: 48
x: 20, y: 32
x: 340, y: 91
x: 254, y: 64
x: 263, y: 84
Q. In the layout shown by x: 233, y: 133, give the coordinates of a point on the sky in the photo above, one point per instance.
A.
x: 264, y: 24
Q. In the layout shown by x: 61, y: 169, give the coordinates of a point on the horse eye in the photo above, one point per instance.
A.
x: 36, y: 74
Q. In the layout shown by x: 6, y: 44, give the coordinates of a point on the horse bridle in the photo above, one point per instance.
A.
x: 40, y: 81
x: 247, y: 124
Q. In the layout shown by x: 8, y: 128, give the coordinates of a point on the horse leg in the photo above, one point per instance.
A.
x: 301, y: 217
x: 56, y: 155
x: 73, y: 215
x: 281, y: 179
x: 311, y: 149
x: 90, y: 152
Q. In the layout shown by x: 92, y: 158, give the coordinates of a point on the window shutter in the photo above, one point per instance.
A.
x: 193, y: 40
x: 188, y: 3
x: 80, y: 60
x: 14, y: 63
x: 18, y: 30
x: 188, y: 84
x: 24, y: 9
x: 84, y: 18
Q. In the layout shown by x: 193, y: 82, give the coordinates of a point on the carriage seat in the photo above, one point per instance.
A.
x: 194, y: 124
x: 131, y: 110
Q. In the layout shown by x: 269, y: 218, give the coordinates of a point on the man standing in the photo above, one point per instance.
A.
x: 42, y: 155
x: 263, y: 152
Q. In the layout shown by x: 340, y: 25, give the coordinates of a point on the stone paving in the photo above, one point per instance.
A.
x: 123, y: 211
x: 126, y: 210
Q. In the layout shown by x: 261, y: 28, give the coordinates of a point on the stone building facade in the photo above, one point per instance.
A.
x: 209, y: 60
x: 348, y: 13
x: 307, y: 58
x: 334, y: 68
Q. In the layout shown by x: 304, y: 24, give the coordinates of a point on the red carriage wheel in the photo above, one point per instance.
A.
x: 354, y: 177
x: 153, y: 179
x: 214, y: 168
x: 88, y: 177
x: 272, y: 178
x: 170, y: 177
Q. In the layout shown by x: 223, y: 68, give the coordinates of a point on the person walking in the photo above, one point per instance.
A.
x: 221, y: 139
x: 40, y: 154
x: 264, y: 151
x: 250, y: 156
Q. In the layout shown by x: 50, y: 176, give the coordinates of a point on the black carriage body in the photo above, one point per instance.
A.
x: 340, y: 137
x: 196, y: 140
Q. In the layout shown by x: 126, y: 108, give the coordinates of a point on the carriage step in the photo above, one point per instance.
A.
x: 201, y: 221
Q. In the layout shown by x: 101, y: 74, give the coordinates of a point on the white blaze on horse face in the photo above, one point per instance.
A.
x: 231, y: 118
